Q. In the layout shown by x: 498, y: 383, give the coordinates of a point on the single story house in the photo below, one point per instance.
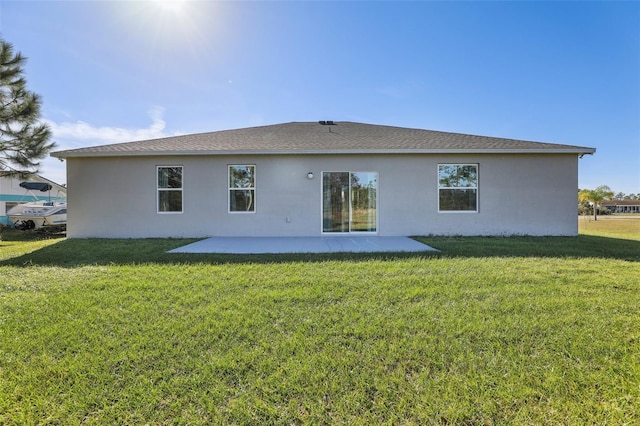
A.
x: 12, y: 194
x: 622, y: 206
x: 322, y: 178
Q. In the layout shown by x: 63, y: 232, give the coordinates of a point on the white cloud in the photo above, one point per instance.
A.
x: 68, y: 134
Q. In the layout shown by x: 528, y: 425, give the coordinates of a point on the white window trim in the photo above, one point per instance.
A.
x: 477, y: 188
x: 229, y: 189
x: 181, y: 189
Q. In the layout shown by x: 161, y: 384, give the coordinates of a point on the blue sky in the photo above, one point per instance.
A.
x: 116, y: 71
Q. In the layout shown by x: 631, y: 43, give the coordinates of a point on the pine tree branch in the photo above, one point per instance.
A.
x: 23, y: 139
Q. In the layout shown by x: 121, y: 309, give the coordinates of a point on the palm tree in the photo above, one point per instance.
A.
x: 596, y: 196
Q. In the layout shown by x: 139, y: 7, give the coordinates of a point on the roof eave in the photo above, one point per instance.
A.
x: 70, y: 154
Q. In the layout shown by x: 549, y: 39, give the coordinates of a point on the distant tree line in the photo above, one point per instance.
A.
x: 623, y: 196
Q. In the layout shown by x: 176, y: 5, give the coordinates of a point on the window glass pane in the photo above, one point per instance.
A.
x: 349, y: 201
x: 170, y: 201
x: 335, y: 206
x: 445, y: 175
x: 241, y: 176
x: 241, y: 200
x: 467, y: 176
x: 458, y: 199
x: 169, y: 177
x: 363, y: 201
x: 457, y: 176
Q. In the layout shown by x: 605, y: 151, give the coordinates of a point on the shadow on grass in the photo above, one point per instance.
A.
x: 78, y: 252
x: 582, y: 246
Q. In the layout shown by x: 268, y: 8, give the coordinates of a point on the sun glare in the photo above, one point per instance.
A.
x: 171, y: 6
x: 171, y: 25
x: 170, y: 16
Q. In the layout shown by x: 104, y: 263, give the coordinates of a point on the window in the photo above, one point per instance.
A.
x: 169, y: 189
x: 242, y: 189
x: 458, y: 187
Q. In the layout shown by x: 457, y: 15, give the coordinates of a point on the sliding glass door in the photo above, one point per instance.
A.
x: 349, y: 201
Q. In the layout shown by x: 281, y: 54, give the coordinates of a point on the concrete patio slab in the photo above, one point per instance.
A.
x: 328, y: 244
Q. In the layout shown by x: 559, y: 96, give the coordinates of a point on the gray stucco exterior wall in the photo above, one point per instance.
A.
x: 116, y: 197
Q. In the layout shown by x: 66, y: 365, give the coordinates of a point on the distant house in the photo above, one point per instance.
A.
x: 322, y: 178
x: 622, y: 206
x: 11, y: 193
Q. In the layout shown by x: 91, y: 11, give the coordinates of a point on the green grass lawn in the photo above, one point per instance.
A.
x: 489, y: 331
x: 616, y: 226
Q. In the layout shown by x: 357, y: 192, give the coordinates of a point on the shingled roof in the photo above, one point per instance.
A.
x: 315, y: 138
x: 620, y: 203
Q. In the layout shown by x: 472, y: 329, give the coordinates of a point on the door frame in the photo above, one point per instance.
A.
x: 349, y: 232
